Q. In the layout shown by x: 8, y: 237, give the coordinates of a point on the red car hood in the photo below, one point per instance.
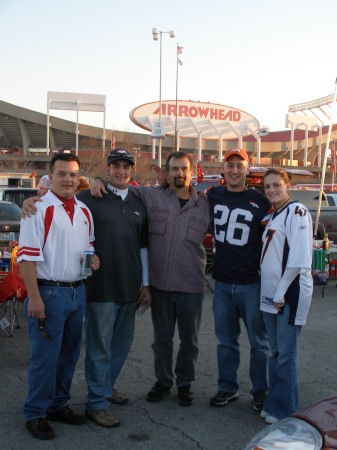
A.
x: 323, y: 416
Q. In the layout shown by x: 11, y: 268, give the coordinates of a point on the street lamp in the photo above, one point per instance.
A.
x: 156, y: 36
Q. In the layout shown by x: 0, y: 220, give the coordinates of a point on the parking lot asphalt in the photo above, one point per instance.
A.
x: 166, y: 425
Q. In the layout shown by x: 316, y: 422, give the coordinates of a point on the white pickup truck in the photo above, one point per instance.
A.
x: 328, y: 214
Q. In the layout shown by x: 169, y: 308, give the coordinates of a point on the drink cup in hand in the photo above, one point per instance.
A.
x: 142, y: 307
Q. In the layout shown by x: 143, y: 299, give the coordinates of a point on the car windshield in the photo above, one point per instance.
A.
x: 9, y: 211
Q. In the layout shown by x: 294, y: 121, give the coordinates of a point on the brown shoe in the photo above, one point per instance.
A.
x: 103, y: 417
x: 40, y: 428
x: 118, y: 398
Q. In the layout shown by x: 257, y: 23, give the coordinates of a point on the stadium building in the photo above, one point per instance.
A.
x: 202, y: 129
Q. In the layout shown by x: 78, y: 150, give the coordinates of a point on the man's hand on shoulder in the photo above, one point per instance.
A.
x: 97, y: 188
x: 161, y: 176
x: 28, y: 207
x: 205, y: 192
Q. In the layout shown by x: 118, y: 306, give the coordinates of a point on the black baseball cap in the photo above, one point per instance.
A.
x: 120, y: 153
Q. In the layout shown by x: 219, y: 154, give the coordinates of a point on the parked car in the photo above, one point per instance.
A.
x: 17, y: 195
x: 327, y: 222
x: 207, y: 181
x: 332, y: 198
x: 10, y: 216
x: 309, y: 197
x: 313, y: 428
x: 327, y: 187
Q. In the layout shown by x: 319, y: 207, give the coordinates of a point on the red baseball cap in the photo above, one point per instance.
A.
x: 238, y: 152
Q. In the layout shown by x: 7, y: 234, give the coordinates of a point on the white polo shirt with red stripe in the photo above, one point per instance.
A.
x: 55, y: 242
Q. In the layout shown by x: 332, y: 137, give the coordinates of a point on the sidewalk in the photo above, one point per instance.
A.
x: 166, y: 425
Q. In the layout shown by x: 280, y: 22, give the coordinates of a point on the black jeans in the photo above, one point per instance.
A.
x: 167, y: 309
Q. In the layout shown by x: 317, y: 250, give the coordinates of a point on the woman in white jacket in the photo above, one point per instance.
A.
x: 286, y: 291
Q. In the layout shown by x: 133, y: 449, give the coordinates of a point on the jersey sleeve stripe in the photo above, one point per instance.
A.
x: 86, y: 212
x: 267, y: 216
x: 28, y: 251
x: 48, y: 219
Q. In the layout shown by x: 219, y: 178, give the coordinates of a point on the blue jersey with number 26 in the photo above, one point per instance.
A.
x: 239, y: 220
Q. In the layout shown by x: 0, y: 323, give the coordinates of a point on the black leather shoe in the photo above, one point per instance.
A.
x: 158, y: 393
x: 40, y: 429
x: 185, y: 396
x: 66, y: 415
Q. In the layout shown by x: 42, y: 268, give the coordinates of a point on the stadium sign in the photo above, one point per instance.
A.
x: 209, y: 120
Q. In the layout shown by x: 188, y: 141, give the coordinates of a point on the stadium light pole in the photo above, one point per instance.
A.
x: 158, y: 35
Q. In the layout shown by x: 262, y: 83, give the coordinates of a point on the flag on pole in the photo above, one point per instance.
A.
x: 200, y: 173
x: 333, y: 157
x: 179, y: 52
x: 113, y: 141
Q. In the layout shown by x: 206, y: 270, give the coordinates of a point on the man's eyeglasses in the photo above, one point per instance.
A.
x: 45, y: 333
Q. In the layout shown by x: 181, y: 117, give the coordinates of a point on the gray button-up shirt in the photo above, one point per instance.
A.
x: 177, y: 256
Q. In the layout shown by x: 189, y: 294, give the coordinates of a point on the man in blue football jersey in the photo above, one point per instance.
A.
x: 238, y: 214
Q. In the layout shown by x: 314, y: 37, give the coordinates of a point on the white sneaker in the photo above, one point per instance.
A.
x: 270, y: 419
x: 263, y: 414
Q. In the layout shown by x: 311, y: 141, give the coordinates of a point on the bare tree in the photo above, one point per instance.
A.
x: 17, y: 164
x: 93, y: 164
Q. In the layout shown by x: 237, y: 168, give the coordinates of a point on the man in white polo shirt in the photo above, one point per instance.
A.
x: 51, y: 248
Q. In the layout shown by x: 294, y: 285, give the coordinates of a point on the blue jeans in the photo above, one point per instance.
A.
x: 167, y: 309
x: 282, y: 398
x: 230, y: 303
x: 52, y: 362
x: 109, y: 334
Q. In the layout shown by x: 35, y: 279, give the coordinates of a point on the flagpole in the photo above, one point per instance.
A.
x: 176, y: 122
x: 333, y: 162
x: 332, y: 168
x: 325, y: 160
x: 112, y: 139
x: 332, y: 182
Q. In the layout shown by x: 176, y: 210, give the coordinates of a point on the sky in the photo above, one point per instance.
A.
x: 259, y: 56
